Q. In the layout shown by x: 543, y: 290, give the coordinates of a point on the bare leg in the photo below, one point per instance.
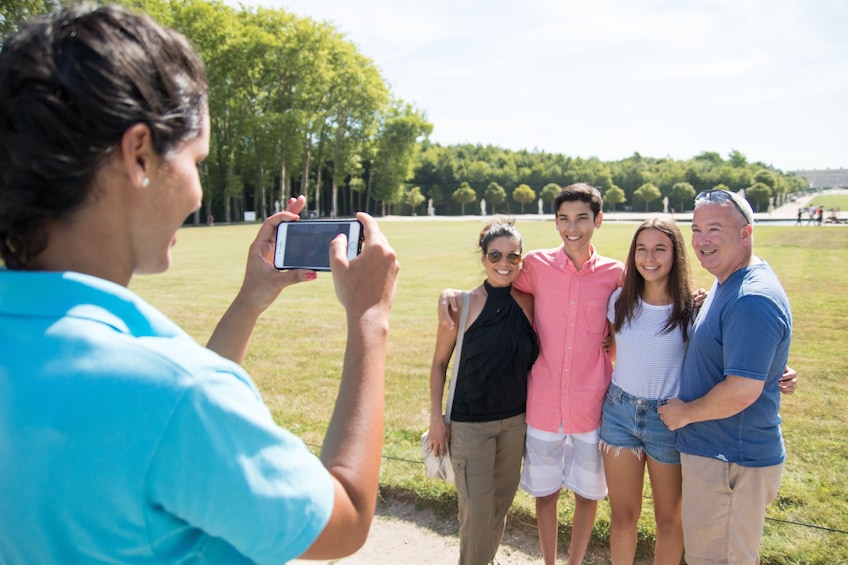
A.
x: 666, y: 484
x: 625, y: 474
x: 581, y: 528
x: 547, y: 522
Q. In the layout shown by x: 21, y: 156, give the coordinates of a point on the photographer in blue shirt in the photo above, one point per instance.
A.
x: 121, y: 438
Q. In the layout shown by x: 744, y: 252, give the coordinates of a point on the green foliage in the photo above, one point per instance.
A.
x: 464, y: 195
x: 495, y: 195
x: 766, y: 177
x: 413, y: 198
x: 758, y: 194
x: 438, y: 167
x: 296, y: 357
x: 395, y: 150
x: 647, y: 193
x: 682, y: 194
x: 294, y: 108
x: 523, y: 194
x: 737, y: 159
x: 549, y: 192
x: 14, y: 13
x: 614, y: 196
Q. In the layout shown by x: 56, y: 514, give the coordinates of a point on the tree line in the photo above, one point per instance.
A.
x: 295, y: 108
x: 456, y: 176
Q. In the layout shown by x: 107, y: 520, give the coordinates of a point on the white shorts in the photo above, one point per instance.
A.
x: 553, y: 460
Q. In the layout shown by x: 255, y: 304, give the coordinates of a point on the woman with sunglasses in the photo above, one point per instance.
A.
x: 486, y: 432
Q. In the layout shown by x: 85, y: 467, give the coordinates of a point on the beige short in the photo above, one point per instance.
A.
x: 724, y: 508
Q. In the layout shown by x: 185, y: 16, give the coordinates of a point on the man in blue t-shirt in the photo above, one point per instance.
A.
x: 727, y: 417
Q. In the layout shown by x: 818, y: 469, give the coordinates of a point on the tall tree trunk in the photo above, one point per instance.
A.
x: 284, y: 184
x: 228, y: 211
x: 304, y: 179
x: 368, y: 188
x: 320, y: 168
x: 261, y: 207
x: 337, y: 149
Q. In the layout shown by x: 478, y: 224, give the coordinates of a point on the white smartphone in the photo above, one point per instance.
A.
x: 305, y: 244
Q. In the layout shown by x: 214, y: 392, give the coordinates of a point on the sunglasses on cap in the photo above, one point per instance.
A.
x: 723, y: 196
x: 493, y: 256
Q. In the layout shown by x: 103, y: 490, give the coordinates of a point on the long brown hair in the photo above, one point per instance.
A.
x: 679, y: 283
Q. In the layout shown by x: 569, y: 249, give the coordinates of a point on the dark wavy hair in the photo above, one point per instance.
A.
x: 679, y: 280
x: 71, y: 84
x: 581, y: 192
x: 499, y: 226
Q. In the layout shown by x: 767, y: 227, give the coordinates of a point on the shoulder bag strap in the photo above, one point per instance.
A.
x: 460, y: 332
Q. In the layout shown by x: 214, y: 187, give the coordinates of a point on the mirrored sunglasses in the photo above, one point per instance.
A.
x: 721, y: 196
x: 493, y: 256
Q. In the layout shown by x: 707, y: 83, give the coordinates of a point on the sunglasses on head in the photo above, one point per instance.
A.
x: 493, y: 256
x: 721, y: 196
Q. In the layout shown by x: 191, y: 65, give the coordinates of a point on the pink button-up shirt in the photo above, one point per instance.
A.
x: 569, y: 380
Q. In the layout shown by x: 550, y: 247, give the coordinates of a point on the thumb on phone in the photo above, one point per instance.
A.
x: 338, y: 250
x: 369, y: 280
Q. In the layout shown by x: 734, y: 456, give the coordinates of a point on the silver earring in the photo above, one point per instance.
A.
x: 145, y: 181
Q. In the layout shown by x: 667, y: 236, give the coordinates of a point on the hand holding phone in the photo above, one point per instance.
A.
x: 305, y: 244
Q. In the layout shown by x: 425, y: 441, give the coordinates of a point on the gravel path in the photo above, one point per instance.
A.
x: 404, y: 535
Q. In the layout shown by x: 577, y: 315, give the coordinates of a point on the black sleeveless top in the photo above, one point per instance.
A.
x: 497, y: 352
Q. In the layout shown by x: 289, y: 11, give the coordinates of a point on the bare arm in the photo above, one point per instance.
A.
x: 261, y: 286
x: 726, y: 399
x: 609, y: 342
x: 450, y: 301
x: 353, y: 444
x: 439, y: 432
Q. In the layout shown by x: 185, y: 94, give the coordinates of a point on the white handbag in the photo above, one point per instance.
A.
x: 440, y: 467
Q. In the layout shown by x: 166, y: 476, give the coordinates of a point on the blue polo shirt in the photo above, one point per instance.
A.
x: 744, y: 329
x: 124, y: 440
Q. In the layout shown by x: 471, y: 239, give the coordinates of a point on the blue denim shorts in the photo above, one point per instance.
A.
x: 630, y: 422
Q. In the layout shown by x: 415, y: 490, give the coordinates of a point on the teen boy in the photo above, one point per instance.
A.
x: 571, y: 285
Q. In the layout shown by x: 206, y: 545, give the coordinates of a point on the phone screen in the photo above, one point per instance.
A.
x: 305, y: 244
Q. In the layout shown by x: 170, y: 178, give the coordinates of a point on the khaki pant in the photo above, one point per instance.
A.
x: 486, y: 459
x: 724, y: 509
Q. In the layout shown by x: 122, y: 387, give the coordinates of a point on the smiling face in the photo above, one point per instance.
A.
x: 173, y: 193
x: 502, y: 272
x: 720, y: 238
x: 576, y: 223
x: 654, y: 256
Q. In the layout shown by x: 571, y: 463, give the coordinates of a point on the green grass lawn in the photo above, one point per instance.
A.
x: 829, y: 201
x: 296, y: 352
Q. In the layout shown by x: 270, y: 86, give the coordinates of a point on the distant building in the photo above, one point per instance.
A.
x: 828, y: 178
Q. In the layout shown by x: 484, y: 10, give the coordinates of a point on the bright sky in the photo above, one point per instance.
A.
x: 607, y: 78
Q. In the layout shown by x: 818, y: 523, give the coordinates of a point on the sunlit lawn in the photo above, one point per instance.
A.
x: 295, y: 358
